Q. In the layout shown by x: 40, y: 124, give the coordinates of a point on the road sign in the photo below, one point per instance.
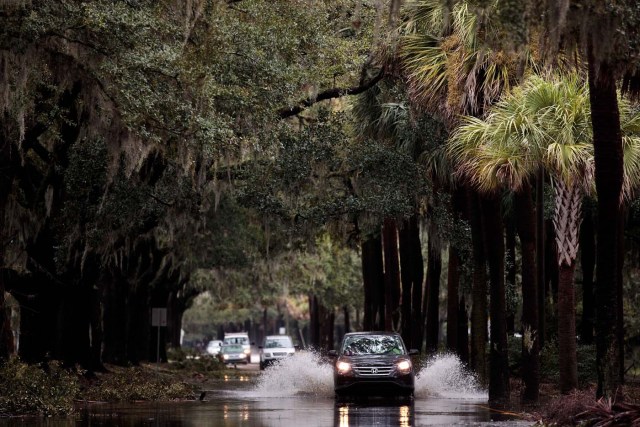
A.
x: 158, y: 317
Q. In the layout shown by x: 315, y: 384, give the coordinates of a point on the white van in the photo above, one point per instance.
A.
x: 241, y: 338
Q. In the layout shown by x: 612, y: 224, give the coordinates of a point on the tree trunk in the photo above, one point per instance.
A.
x: 76, y: 321
x: 479, y: 291
x: 417, y: 284
x: 499, y: 388
x: 463, y: 332
x: 620, y: 295
x: 510, y: 243
x: 567, y: 359
x: 314, y: 322
x: 6, y: 182
x: 608, y: 154
x: 391, y: 274
x: 540, y: 257
x: 453, y: 279
x: 588, y: 263
x: 347, y: 322
x: 551, y: 283
x: 530, y: 343
x: 406, y: 278
x: 373, y: 280
x: 434, y: 269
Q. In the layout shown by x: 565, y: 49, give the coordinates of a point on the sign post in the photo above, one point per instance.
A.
x: 158, y: 319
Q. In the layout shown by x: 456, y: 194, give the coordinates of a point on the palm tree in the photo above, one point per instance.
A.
x: 546, y: 122
x: 452, y: 71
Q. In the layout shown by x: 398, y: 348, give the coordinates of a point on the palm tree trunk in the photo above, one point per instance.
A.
x: 479, y: 291
x: 391, y: 273
x: 620, y: 295
x: 588, y: 262
x: 608, y: 155
x: 463, y: 332
x: 418, y: 284
x: 499, y: 389
x: 411, y: 275
x: 458, y: 206
x: 434, y: 269
x: 567, y: 360
x: 8, y: 155
x: 372, y: 276
x: 512, y: 270
x: 540, y: 256
x: 406, y: 280
x: 566, y: 221
x: 530, y: 343
x: 453, y: 278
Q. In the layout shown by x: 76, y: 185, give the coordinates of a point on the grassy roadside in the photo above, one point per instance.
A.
x: 51, y: 390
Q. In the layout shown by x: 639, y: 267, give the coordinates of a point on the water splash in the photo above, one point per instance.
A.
x: 306, y: 373
x: 302, y: 374
x: 445, y: 376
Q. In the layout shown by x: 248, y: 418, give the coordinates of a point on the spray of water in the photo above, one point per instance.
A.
x: 302, y: 374
x: 445, y: 376
x: 305, y: 373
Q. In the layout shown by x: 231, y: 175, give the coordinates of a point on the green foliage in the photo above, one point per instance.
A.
x: 28, y: 389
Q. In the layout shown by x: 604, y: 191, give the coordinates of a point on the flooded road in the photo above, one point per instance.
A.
x: 300, y: 393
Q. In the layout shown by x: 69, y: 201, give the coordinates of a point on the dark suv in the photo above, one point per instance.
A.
x: 373, y: 363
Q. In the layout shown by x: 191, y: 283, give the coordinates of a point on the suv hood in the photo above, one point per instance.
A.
x: 375, y: 358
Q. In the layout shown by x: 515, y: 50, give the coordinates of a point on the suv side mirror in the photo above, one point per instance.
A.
x: 413, y: 352
x: 332, y: 353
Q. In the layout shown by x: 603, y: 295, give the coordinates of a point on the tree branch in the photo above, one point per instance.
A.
x: 330, y: 94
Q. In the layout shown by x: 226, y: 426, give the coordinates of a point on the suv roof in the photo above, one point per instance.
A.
x: 371, y: 333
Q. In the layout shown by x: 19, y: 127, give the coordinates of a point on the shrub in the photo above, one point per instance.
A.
x: 132, y: 384
x: 28, y: 389
x: 549, y: 370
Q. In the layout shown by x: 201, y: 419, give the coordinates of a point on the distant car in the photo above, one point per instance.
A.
x: 213, y: 348
x: 373, y: 363
x: 241, y: 338
x: 274, y: 348
x: 233, y: 354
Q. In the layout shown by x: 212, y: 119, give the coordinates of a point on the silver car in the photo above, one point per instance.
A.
x: 275, y: 347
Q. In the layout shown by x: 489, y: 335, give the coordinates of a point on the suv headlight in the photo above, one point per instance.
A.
x: 404, y: 366
x: 343, y: 367
x: 225, y: 356
x: 247, y: 351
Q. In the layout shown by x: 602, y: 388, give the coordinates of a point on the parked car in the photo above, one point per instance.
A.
x: 373, y: 363
x: 213, y: 347
x: 233, y: 354
x: 274, y: 348
x: 240, y: 338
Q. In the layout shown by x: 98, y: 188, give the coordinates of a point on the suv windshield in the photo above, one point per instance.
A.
x: 372, y: 344
x: 283, y: 342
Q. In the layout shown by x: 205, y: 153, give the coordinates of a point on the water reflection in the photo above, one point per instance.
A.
x: 374, y: 413
x: 231, y: 409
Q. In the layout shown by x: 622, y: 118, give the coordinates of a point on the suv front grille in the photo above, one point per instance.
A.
x: 279, y: 353
x: 373, y: 370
